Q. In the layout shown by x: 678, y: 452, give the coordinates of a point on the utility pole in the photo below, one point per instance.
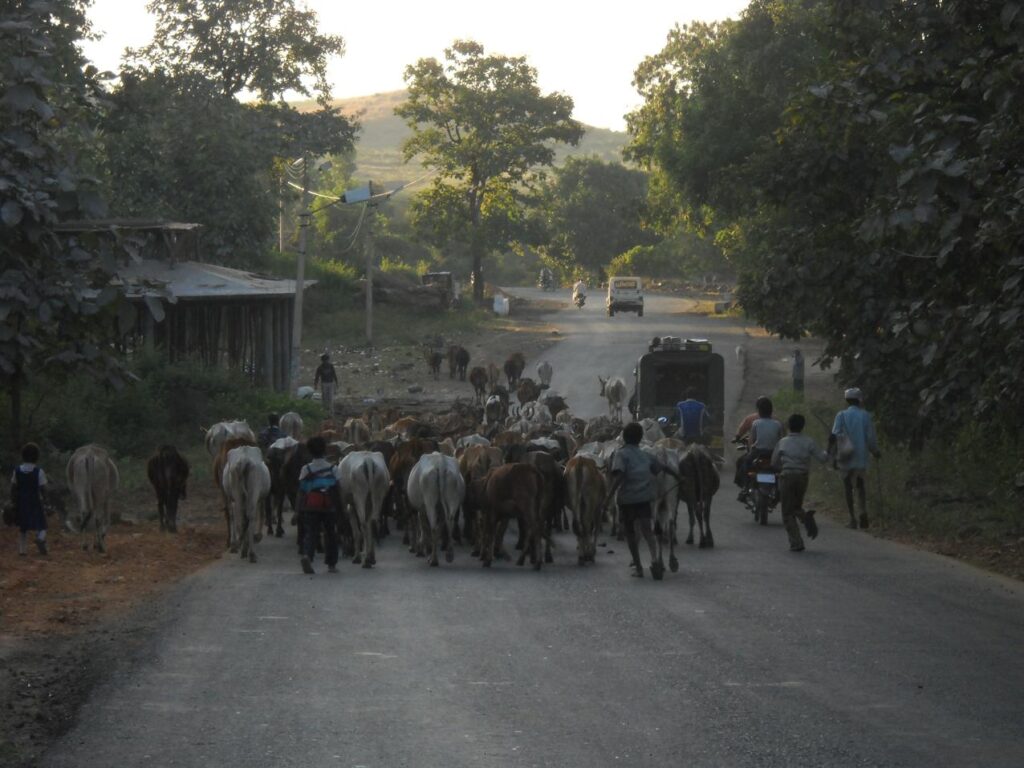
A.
x: 368, y: 246
x: 300, y: 278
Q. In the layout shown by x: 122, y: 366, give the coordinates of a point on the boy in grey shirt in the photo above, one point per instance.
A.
x: 792, y: 459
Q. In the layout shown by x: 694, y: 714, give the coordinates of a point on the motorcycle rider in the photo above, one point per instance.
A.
x: 765, y: 434
x: 546, y: 278
x: 579, y: 293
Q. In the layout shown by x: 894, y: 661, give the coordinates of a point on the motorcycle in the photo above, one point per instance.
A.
x: 579, y: 300
x: 762, y: 487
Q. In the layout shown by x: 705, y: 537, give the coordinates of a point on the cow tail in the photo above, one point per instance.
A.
x: 368, y: 500
x: 88, y: 498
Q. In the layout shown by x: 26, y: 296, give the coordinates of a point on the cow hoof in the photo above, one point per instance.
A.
x: 689, y: 539
x: 449, y: 556
x: 258, y: 537
x: 703, y: 544
x: 487, y: 563
x: 434, y: 563
x: 673, y: 565
x: 233, y: 550
x: 536, y: 566
x: 372, y: 560
x: 581, y: 560
x: 279, y: 532
x: 357, y: 559
x: 474, y: 553
x: 252, y: 557
x: 548, y: 558
x: 367, y: 564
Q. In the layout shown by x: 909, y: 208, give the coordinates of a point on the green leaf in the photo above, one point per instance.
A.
x: 11, y: 213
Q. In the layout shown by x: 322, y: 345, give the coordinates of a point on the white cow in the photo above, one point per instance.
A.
x: 467, y: 440
x: 544, y: 374
x: 246, y: 484
x: 613, y: 389
x: 436, y: 490
x: 536, y: 413
x: 222, y: 430
x: 291, y: 425
x: 364, y: 480
x: 667, y: 501
x: 92, y: 477
x: 652, y: 430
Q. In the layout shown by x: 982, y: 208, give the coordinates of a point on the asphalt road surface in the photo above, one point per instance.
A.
x: 857, y: 652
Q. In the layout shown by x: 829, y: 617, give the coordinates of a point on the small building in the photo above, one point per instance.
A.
x: 218, y: 316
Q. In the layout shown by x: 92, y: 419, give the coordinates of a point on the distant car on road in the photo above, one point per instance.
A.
x: 625, y: 294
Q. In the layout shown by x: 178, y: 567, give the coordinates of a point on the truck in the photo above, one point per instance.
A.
x: 668, y: 370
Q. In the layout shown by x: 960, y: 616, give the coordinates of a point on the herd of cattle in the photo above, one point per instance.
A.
x: 442, y: 480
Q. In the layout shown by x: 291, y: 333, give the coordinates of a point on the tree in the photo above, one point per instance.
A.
x: 267, y: 47
x: 53, y: 285
x: 483, y: 124
x: 595, y: 212
x: 872, y: 198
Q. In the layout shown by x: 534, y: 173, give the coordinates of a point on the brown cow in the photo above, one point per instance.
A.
x: 512, y: 491
x: 584, y: 493
x: 553, y: 495
x: 493, y: 375
x: 478, y: 378
x: 527, y: 391
x: 698, y: 483
x: 434, y: 359
x: 219, y: 462
x: 167, y: 471
x: 458, y: 362
x: 474, y: 464
x: 514, y: 369
x: 399, y: 466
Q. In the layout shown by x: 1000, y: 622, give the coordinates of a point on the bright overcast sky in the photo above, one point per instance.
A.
x: 577, y: 48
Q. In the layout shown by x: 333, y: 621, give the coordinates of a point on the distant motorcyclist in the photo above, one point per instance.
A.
x: 579, y: 293
x: 546, y: 279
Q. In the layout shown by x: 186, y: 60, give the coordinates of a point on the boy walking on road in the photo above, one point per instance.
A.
x: 792, y: 459
x: 319, y: 505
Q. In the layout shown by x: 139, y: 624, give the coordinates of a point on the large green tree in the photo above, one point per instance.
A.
x: 266, y: 47
x: 482, y: 122
x: 595, y: 211
x: 53, y: 284
x: 871, y: 195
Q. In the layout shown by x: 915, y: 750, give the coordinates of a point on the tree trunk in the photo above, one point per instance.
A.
x: 16, y: 408
x: 477, y: 250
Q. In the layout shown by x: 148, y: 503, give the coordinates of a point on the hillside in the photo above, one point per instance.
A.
x: 378, y: 151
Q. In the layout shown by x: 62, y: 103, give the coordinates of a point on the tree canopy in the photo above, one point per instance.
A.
x: 482, y: 122
x: 860, y: 163
x: 266, y: 47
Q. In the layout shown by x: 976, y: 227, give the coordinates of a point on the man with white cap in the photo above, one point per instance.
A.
x: 852, y: 439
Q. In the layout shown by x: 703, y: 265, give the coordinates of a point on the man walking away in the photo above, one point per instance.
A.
x: 327, y: 378
x: 852, y: 439
x: 792, y: 459
x: 319, y: 504
x: 271, y: 433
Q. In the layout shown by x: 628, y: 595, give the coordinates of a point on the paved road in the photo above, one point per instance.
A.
x: 858, y: 652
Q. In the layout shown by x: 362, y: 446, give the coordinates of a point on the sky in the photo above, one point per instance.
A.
x: 576, y: 48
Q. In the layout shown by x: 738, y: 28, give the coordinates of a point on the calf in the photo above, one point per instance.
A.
x: 613, y: 389
x: 552, y: 495
x: 667, y: 501
x: 167, y: 471
x: 278, y: 454
x: 698, y: 483
x: 246, y: 482
x: 585, y: 490
x: 224, y: 430
x: 474, y: 464
x: 512, y: 491
x: 527, y: 391
x: 364, y: 481
x: 436, y: 490
x: 92, y: 478
x: 493, y: 375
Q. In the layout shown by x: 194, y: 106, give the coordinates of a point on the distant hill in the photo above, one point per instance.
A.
x: 379, y: 153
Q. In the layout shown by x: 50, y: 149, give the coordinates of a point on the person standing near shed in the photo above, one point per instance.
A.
x: 327, y: 379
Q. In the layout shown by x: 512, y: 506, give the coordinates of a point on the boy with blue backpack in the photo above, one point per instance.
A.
x: 319, y: 503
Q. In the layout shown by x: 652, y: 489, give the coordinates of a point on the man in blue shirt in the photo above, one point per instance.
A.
x: 852, y: 439
x: 693, y: 419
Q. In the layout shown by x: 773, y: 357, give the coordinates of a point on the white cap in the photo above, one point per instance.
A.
x: 853, y: 393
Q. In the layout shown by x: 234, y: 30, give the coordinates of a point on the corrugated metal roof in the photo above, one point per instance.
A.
x: 195, y: 280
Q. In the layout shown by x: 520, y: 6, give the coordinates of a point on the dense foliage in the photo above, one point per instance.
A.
x: 484, y: 125
x: 53, y: 284
x: 860, y: 164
